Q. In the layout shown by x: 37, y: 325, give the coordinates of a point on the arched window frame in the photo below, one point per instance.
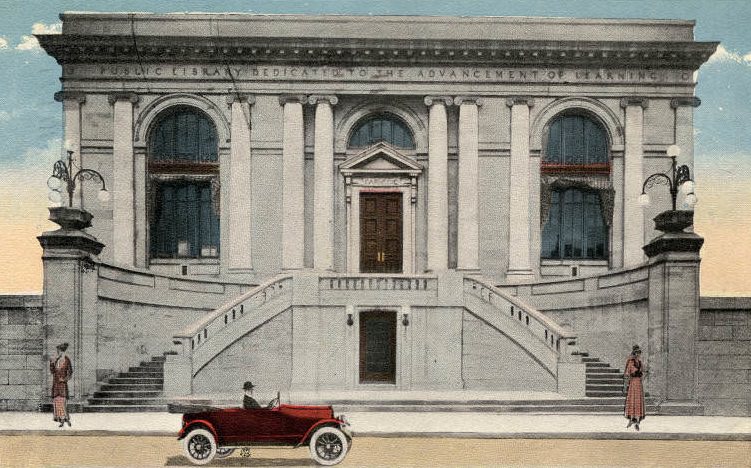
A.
x: 178, y: 175
x: 587, y: 178
x: 565, y: 167
x: 385, y: 116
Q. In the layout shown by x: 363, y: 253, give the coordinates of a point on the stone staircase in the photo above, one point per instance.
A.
x: 602, y: 380
x: 141, y: 389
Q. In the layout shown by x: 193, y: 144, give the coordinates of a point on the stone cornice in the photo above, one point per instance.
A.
x: 78, y: 96
x: 293, y: 99
x: 235, y: 97
x: 446, y: 100
x: 68, y: 49
x: 635, y: 101
x: 689, y: 101
x: 317, y: 98
x: 520, y: 100
x: 459, y: 100
x: 124, y: 96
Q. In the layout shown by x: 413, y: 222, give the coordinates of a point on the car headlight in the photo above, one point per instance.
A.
x: 343, y: 419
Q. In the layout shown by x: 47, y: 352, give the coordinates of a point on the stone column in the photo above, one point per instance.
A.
x: 293, y: 183
x: 684, y: 133
x: 633, y: 178
x: 240, y: 256
x: 519, y: 266
x: 72, y: 102
x: 468, y: 242
x: 323, y: 205
x: 70, y: 290
x: 673, y: 315
x: 438, y: 208
x: 123, y: 213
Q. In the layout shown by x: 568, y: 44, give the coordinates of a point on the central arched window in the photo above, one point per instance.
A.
x: 577, y: 197
x: 382, y: 127
x: 184, y: 185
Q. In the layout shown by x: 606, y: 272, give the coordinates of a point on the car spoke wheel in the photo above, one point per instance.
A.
x: 199, y: 446
x: 224, y: 452
x: 328, y: 446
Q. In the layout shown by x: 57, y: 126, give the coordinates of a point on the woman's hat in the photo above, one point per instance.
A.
x: 248, y: 385
x: 62, y: 347
x: 636, y: 349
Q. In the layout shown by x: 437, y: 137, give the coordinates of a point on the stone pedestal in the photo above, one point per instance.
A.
x: 673, y: 316
x: 70, y: 264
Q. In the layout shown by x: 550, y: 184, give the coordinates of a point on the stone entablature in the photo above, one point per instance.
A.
x: 370, y: 40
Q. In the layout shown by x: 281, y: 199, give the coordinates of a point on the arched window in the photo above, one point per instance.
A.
x: 576, y: 140
x: 382, y: 127
x: 183, y: 185
x: 577, y: 196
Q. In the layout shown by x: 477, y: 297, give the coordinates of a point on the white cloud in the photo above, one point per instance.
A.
x: 41, y: 157
x: 30, y: 43
x: 41, y: 28
x: 4, y: 116
x: 723, y: 55
x: 3, y: 43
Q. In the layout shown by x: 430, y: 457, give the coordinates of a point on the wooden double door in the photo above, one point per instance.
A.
x: 381, y: 232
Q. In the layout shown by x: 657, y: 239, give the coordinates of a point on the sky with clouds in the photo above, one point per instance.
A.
x: 31, y: 121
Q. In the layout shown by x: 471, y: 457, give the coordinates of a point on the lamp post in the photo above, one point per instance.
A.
x: 679, y: 180
x: 63, y: 173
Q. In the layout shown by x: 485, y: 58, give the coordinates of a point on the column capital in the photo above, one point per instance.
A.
x: 635, y: 101
x: 237, y: 97
x: 512, y: 101
x: 293, y: 99
x: 459, y: 100
x: 61, y: 96
x: 430, y: 100
x: 132, y: 97
x: 318, y: 98
x: 687, y: 101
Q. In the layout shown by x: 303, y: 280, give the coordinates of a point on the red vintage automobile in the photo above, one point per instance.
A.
x: 212, y: 432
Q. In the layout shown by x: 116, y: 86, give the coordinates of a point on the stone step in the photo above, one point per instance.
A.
x: 110, y: 387
x: 128, y: 394
x: 146, y: 369
x: 477, y: 402
x: 159, y: 365
x: 605, y: 380
x: 124, y: 408
x: 604, y: 393
x: 590, y: 359
x: 141, y: 374
x: 602, y: 370
x: 136, y: 380
x: 128, y: 401
x: 597, y: 365
x: 614, y: 408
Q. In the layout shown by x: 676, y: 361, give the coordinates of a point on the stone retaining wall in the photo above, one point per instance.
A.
x: 22, y: 364
x: 724, y: 348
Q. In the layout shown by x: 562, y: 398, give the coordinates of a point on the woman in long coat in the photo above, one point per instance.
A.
x: 634, y: 410
x: 61, y: 369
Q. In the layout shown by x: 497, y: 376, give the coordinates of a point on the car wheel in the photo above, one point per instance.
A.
x: 328, y: 446
x: 199, y: 446
x: 224, y: 452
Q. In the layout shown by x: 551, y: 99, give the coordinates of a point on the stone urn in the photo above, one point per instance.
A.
x: 674, y: 221
x: 70, y: 219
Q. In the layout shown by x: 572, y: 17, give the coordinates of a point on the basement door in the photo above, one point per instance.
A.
x: 378, y: 347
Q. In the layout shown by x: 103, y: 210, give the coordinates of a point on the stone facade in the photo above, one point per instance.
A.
x: 287, y: 294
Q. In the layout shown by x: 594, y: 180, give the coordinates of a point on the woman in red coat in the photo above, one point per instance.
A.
x: 61, y: 369
x: 634, y: 410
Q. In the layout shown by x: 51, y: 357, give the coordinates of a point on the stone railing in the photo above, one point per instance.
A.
x: 377, y: 283
x: 220, y: 321
x: 556, y: 338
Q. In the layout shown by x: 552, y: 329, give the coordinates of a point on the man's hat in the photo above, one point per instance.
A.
x: 62, y: 347
x: 248, y: 385
x: 636, y: 349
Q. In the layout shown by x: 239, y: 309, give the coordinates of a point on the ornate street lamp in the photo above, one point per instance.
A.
x: 680, y: 180
x: 63, y: 173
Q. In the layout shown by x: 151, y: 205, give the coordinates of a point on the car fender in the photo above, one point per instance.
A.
x: 319, y: 424
x: 198, y: 422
